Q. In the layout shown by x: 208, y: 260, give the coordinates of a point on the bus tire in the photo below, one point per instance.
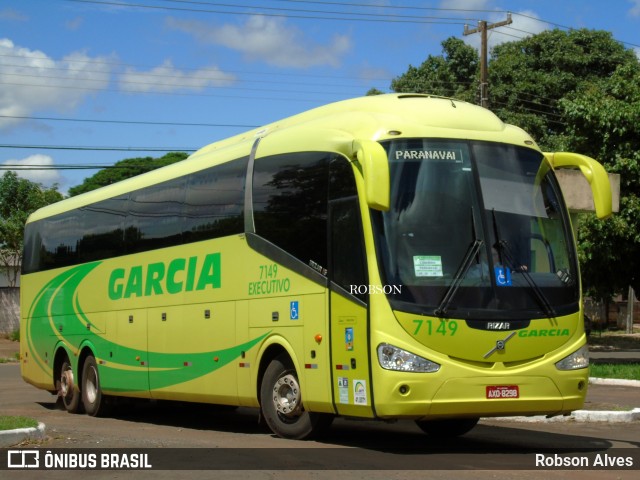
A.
x: 281, y: 403
x: 448, y: 427
x: 67, y: 389
x: 94, y: 402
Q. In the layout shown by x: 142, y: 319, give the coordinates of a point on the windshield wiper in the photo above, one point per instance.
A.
x: 504, y: 252
x: 472, y: 251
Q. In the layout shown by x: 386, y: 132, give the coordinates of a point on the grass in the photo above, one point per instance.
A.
x: 15, y: 336
x: 8, y: 422
x: 626, y: 371
x: 614, y: 340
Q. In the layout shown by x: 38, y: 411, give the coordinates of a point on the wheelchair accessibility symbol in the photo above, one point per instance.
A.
x: 503, y: 276
x: 294, y: 310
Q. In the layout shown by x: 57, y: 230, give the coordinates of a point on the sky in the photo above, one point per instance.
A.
x: 87, y: 83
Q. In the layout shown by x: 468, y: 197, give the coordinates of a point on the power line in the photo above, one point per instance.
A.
x: 329, y: 12
x: 98, y: 148
x: 205, y: 69
x: 412, y: 20
x: 129, y: 122
x: 36, y: 167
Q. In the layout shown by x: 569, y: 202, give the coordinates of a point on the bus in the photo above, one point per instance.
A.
x: 400, y: 256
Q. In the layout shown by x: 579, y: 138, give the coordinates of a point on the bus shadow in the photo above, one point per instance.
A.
x: 402, y: 438
x: 406, y: 439
x: 195, y: 416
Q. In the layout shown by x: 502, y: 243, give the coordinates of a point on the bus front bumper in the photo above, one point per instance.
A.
x: 483, y: 396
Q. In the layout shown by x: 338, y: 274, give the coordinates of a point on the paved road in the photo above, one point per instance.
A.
x: 350, y: 446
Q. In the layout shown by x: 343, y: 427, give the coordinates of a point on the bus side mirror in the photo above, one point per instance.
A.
x: 593, y: 172
x: 375, y: 171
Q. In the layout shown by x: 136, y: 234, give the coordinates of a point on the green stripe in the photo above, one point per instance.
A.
x: 60, y: 296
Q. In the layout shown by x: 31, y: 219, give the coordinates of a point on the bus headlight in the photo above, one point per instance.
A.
x: 578, y: 359
x: 394, y: 358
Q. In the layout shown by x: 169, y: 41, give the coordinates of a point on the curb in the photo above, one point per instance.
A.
x: 614, y: 381
x: 9, y: 438
x: 584, y: 416
x: 579, y: 416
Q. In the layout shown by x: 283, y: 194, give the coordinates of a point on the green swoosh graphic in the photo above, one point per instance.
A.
x: 59, y: 301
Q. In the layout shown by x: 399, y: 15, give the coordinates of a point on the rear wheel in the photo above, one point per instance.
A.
x: 95, y: 403
x: 281, y: 403
x: 447, y: 428
x: 67, y: 389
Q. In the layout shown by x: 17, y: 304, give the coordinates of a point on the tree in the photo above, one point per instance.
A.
x: 454, y: 74
x: 604, y: 123
x: 19, y: 198
x: 577, y: 91
x: 124, y: 169
x: 530, y: 77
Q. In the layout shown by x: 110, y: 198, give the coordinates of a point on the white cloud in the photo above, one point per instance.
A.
x: 45, y: 177
x: 635, y: 9
x: 269, y: 40
x: 33, y: 81
x: 166, y: 78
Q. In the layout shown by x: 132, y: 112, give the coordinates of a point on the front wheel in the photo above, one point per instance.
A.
x: 95, y: 403
x: 281, y: 403
x: 447, y: 428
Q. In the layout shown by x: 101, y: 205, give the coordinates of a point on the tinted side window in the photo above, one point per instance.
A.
x: 203, y: 205
x: 290, y: 204
x: 214, y: 202
x: 348, y: 268
x: 103, y: 235
x: 60, y: 235
x: 154, y: 219
x: 347, y: 264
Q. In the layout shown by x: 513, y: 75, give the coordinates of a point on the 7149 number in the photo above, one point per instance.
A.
x: 444, y: 328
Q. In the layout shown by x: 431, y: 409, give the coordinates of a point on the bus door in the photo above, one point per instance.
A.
x: 351, y: 378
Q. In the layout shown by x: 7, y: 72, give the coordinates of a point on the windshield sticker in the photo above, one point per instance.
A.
x: 452, y: 155
x: 503, y: 276
x: 427, y: 265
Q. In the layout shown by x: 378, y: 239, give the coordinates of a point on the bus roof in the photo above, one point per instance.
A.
x: 375, y: 117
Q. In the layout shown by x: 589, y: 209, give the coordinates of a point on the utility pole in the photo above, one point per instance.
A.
x: 483, y: 26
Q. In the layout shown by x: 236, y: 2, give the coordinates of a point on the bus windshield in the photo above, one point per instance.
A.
x: 478, y: 227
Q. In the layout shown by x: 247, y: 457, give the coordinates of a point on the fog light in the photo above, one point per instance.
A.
x: 404, y: 389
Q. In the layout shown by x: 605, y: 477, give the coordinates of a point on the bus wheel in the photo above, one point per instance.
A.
x: 92, y: 398
x: 67, y: 390
x: 281, y: 403
x: 447, y: 428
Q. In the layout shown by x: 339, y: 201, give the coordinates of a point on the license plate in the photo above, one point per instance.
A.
x: 503, y: 391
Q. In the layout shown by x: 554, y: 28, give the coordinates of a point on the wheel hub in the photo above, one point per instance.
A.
x: 90, y: 386
x: 66, y: 383
x: 286, y: 396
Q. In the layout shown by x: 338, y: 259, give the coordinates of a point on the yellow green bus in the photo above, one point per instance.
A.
x: 390, y: 257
